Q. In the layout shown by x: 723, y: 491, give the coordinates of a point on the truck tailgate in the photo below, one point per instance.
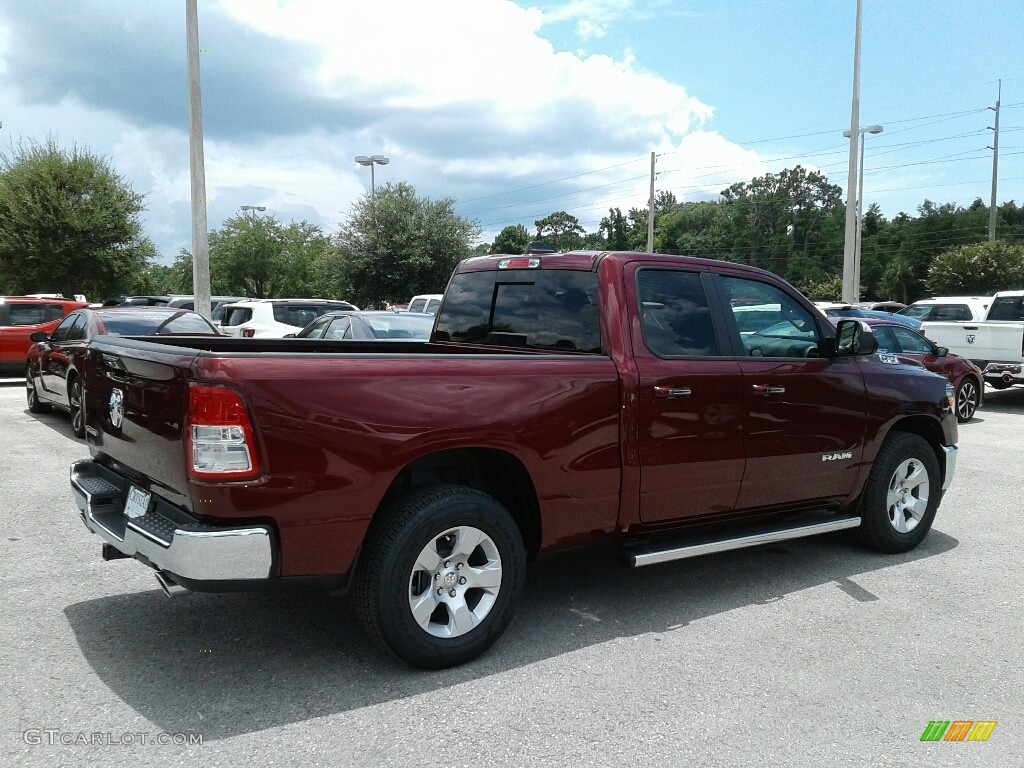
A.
x: 136, y: 396
x: 981, y: 343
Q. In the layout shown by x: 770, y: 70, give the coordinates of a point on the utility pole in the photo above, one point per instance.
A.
x: 995, y: 167
x: 650, y: 211
x: 850, y: 291
x: 197, y: 167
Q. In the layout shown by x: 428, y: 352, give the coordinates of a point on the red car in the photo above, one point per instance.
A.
x: 964, y: 375
x: 20, y: 317
x: 55, y: 361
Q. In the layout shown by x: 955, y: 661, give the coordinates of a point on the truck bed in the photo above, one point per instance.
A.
x: 340, y: 419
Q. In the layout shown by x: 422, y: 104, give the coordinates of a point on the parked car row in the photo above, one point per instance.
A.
x: 54, y: 364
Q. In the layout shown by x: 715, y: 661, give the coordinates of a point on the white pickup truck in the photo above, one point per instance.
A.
x: 995, y: 344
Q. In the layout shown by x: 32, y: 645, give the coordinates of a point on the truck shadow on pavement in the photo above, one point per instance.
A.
x: 229, y: 664
x: 1001, y: 401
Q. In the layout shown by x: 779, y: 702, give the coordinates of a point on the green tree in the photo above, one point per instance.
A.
x: 827, y: 289
x: 615, y: 230
x: 560, y: 230
x: 68, y: 223
x: 980, y: 269
x: 778, y: 216
x: 396, y: 245
x: 512, y: 239
x: 694, y: 229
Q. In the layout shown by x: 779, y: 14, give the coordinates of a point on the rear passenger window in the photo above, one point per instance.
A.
x: 237, y: 316
x: 29, y: 314
x: 674, y: 313
x: 60, y: 333
x: 954, y: 313
x: 77, y: 332
x: 885, y: 338
x: 911, y: 342
x: 340, y: 329
x: 418, y: 306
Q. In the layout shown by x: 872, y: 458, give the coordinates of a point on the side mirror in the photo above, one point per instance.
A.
x: 38, y: 336
x: 941, y: 351
x: 288, y: 336
x: 854, y: 337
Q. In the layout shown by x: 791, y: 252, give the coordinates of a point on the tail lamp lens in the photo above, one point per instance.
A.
x: 220, y: 436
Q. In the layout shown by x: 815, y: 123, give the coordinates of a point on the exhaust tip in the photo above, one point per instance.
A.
x: 169, y: 587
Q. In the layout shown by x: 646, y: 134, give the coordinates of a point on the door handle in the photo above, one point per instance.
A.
x: 667, y: 393
x: 765, y: 389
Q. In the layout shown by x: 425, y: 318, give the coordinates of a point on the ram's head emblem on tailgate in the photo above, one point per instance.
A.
x: 970, y: 338
x: 116, y: 408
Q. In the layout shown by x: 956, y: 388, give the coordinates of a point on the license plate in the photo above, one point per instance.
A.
x: 138, y: 502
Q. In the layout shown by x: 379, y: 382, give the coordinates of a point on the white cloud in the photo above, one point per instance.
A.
x: 467, y: 98
x: 484, y: 53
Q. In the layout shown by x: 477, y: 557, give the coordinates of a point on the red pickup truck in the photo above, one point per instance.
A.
x: 678, y: 406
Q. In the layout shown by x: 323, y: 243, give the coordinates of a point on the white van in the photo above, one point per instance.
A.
x: 426, y: 302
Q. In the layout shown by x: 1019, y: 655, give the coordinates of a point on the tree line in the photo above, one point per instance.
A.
x: 793, y: 223
x: 69, y: 223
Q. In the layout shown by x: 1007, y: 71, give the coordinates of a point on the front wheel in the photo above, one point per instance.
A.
x: 967, y: 396
x: 77, y: 407
x: 440, y: 576
x: 901, y: 495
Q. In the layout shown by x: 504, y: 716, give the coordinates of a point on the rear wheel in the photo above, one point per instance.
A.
x: 35, y: 405
x: 76, y: 407
x: 901, y: 495
x: 967, y: 396
x: 440, y: 576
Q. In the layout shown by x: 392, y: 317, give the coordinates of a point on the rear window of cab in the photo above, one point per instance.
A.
x: 551, y: 310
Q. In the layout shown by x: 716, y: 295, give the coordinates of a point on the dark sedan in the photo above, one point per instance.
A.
x: 53, y: 376
x: 367, y: 326
x: 964, y: 375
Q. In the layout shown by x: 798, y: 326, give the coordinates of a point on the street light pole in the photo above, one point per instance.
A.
x: 850, y: 245
x: 371, y: 161
x: 197, y: 167
x: 860, y: 208
x: 254, y: 208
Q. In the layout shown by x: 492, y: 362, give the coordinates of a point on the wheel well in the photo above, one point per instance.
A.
x: 927, y: 428
x: 494, y: 472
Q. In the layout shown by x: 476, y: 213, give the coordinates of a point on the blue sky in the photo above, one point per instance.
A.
x: 516, y: 110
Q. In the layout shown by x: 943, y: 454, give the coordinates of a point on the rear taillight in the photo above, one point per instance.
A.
x: 219, y: 437
x: 248, y: 333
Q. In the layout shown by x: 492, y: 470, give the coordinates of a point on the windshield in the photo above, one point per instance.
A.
x: 392, y: 325
x: 141, y: 322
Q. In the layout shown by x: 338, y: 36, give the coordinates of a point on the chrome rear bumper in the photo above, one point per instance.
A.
x: 167, y: 538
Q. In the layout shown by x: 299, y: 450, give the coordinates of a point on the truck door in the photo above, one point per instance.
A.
x: 803, y: 415
x: 690, y: 418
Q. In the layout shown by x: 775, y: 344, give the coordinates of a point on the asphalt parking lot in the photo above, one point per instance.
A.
x: 810, y: 653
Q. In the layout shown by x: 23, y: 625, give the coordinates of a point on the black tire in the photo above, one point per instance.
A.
x: 35, y: 405
x: 387, y: 581
x: 885, y: 526
x: 968, y: 395
x: 76, y: 406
